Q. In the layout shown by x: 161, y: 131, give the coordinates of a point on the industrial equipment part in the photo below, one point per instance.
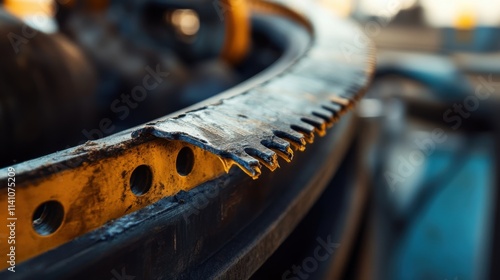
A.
x: 130, y: 199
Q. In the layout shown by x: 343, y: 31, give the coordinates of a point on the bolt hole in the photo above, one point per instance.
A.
x: 48, y: 217
x: 185, y: 161
x: 141, y: 180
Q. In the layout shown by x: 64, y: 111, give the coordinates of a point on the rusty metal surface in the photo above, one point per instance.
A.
x: 96, y: 192
x: 305, y: 92
x: 223, y: 229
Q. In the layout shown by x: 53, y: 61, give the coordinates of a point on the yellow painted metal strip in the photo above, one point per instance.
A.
x: 97, y: 192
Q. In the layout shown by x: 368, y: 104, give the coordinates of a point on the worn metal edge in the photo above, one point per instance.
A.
x: 97, y: 252
x: 259, y: 240
x: 252, y: 129
x: 112, y: 145
x: 347, y: 49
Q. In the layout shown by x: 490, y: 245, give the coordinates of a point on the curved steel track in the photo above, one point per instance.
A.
x: 167, y: 232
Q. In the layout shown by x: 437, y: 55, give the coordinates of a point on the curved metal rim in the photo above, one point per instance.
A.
x: 248, y: 238
x: 349, y: 87
x: 351, y: 47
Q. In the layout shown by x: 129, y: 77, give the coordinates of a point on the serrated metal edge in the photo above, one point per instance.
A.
x: 252, y: 129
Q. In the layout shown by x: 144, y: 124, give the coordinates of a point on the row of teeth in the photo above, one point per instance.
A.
x: 249, y: 138
x: 250, y: 157
x: 286, y: 142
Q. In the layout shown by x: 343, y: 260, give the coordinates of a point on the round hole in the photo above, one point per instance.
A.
x: 141, y: 180
x: 185, y: 161
x: 48, y: 217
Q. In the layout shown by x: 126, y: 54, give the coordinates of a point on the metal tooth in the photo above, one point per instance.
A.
x: 329, y: 121
x: 314, y: 119
x: 336, y: 112
x: 280, y: 147
x: 328, y: 116
x: 290, y: 134
x: 295, y: 139
x: 344, y: 102
x: 249, y: 165
x: 288, y: 156
x: 308, y: 133
x: 303, y: 127
x: 265, y: 156
x: 297, y: 146
x: 318, y: 123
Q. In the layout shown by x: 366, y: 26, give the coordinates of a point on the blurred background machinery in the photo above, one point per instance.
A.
x: 434, y: 170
